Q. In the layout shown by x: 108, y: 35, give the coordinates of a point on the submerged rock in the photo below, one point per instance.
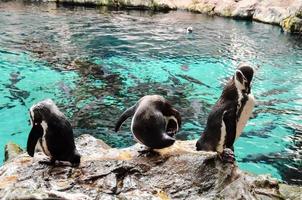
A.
x: 177, y: 172
x: 86, y: 68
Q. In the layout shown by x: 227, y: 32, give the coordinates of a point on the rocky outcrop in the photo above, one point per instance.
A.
x: 293, y: 23
x: 177, y: 172
x: 11, y: 150
x: 285, y: 13
x: 138, y: 4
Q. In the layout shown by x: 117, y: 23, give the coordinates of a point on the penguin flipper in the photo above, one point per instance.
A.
x: 229, y: 119
x: 35, y: 133
x: 128, y: 113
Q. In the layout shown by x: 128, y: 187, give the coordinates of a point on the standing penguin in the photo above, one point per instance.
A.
x: 53, y: 131
x: 154, y: 121
x: 229, y: 115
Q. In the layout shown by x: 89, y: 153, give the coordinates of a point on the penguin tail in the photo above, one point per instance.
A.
x: 164, y: 142
x: 76, y: 159
x: 201, y: 145
x: 198, y: 145
x: 125, y: 115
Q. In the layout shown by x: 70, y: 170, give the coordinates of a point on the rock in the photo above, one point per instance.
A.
x: 11, y: 150
x: 140, y: 4
x: 292, y: 24
x: 22, y: 193
x: 226, y: 8
x: 291, y: 192
x: 278, y: 12
x: 271, y: 12
x: 202, y: 7
x: 86, y: 68
x: 245, y: 9
x: 177, y: 172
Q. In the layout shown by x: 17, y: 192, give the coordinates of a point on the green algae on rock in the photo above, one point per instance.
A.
x: 292, y: 24
x: 177, y: 172
x: 11, y: 150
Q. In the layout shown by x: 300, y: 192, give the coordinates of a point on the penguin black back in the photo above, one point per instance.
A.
x: 154, y: 121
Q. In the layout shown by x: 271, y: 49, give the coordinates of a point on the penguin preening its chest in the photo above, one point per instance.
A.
x: 154, y: 121
x: 53, y: 132
x: 230, y: 114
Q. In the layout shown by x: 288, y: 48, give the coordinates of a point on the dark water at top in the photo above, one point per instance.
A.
x: 95, y: 63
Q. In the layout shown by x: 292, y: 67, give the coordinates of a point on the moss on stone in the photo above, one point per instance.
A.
x: 292, y: 24
x: 11, y: 151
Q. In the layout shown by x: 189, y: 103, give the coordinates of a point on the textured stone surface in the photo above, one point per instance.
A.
x: 292, y: 24
x: 177, y: 172
x: 11, y: 150
x: 279, y: 12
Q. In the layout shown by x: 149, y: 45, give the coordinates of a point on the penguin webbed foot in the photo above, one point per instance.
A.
x: 147, y: 153
x: 76, y: 159
x: 50, y: 162
x: 227, y: 156
x: 58, y: 163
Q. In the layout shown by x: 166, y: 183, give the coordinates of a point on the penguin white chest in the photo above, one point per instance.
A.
x: 245, y: 115
x: 43, y: 139
x: 132, y: 122
x: 223, y: 133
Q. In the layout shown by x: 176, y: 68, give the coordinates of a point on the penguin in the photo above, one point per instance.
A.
x: 53, y: 132
x: 229, y: 115
x: 190, y: 29
x: 154, y: 122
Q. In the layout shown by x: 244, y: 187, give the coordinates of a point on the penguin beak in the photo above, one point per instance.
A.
x: 35, y: 133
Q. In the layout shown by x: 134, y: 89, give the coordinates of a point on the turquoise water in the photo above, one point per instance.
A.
x: 94, y: 63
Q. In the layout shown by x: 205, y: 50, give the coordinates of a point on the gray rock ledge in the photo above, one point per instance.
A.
x: 177, y: 172
x: 285, y: 13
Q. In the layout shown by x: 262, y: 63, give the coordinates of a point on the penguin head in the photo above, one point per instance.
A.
x: 248, y: 72
x: 35, y: 116
x: 243, y: 78
x: 42, y: 111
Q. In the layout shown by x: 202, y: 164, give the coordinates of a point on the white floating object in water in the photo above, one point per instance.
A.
x: 190, y: 29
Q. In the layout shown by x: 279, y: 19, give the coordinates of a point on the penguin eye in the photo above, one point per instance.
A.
x: 244, y: 80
